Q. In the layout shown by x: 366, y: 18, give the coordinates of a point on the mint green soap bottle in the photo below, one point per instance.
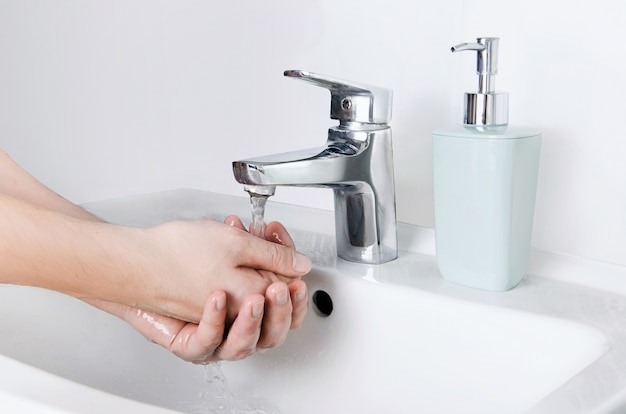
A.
x: 484, y: 182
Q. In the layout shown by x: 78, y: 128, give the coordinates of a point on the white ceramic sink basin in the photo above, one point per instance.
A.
x: 390, y: 349
x: 399, y: 338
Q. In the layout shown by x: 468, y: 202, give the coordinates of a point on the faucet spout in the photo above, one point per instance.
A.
x: 284, y: 169
x: 358, y: 166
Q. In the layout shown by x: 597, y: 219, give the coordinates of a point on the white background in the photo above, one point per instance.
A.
x: 100, y: 99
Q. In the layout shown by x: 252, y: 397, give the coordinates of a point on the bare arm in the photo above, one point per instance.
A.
x: 15, y: 182
x: 43, y: 248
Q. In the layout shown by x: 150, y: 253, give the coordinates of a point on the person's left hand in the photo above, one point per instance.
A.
x: 204, y: 342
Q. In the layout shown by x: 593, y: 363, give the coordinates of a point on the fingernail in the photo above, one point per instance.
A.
x: 257, y: 310
x: 281, y: 294
x: 219, y: 302
x: 277, y: 238
x: 301, y: 263
x: 300, y: 294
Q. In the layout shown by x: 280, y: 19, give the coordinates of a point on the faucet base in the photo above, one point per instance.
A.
x: 360, y: 239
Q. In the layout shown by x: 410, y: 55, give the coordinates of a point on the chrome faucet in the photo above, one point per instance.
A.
x: 356, y: 162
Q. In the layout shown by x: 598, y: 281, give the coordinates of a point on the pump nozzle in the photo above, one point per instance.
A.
x: 493, y: 106
x: 486, y: 62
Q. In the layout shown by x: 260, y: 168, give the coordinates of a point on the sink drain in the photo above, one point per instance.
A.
x: 322, y: 303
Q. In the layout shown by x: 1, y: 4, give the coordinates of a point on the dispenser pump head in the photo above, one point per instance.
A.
x: 485, y: 107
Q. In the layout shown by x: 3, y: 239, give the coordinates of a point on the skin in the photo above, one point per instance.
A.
x: 207, y: 291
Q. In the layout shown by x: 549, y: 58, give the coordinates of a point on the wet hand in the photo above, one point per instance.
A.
x: 205, y: 342
x: 286, y: 306
x: 189, y: 260
x: 255, y: 328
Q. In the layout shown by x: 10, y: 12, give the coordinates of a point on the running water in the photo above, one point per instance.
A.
x: 258, y: 199
x: 218, y: 399
x: 257, y: 202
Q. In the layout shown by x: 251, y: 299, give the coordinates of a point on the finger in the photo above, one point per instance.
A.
x: 244, y: 333
x: 276, y: 233
x: 277, y: 320
x: 299, y: 302
x: 198, y: 343
x: 258, y: 232
x: 235, y: 221
x: 156, y: 328
x: 259, y: 254
x: 210, y: 331
x: 284, y: 261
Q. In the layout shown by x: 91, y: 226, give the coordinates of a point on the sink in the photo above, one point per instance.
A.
x: 385, y: 338
x: 390, y: 349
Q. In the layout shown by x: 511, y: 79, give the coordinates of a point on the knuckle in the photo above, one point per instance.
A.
x: 277, y: 258
x: 240, y: 354
x: 273, y: 340
x: 271, y: 344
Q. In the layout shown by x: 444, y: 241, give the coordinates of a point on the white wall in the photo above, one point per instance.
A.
x: 110, y: 98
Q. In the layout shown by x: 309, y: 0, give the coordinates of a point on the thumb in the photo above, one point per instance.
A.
x: 273, y: 257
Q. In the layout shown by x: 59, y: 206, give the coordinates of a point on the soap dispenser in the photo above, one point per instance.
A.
x: 484, y: 182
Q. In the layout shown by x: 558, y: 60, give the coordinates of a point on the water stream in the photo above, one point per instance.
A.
x: 218, y: 399
x: 258, y: 199
x: 257, y: 202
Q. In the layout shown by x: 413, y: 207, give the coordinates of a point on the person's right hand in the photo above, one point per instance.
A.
x: 185, y: 261
x: 277, y: 320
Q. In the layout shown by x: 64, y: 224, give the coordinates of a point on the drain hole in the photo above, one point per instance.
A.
x: 323, y: 303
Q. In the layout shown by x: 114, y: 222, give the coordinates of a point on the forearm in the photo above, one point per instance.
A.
x: 18, y: 184
x: 55, y: 244
x: 15, y: 182
x: 43, y: 248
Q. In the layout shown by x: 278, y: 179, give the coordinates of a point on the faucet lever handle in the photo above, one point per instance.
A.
x: 351, y: 101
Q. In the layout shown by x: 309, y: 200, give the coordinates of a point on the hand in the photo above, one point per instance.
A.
x: 188, y: 260
x: 277, y: 319
x: 254, y: 328
x: 205, y: 342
